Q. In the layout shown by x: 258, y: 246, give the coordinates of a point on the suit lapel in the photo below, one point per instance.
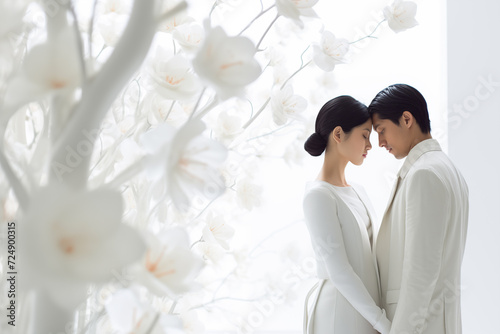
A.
x: 382, y: 225
x: 391, y: 197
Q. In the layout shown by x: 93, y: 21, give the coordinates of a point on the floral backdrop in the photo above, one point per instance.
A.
x: 134, y: 135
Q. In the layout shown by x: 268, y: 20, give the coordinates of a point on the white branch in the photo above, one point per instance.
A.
x: 103, y: 89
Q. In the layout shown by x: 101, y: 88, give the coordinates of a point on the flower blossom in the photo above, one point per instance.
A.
x: 172, y: 23
x: 211, y: 251
x: 287, y: 105
x: 169, y: 266
x: 248, y: 194
x: 330, y: 52
x: 189, y: 162
x: 11, y: 18
x: 227, y: 63
x: 189, y: 36
x: 294, y: 9
x: 112, y: 19
x: 157, y: 109
x: 173, y: 77
x: 401, y: 15
x: 218, y: 230
x: 48, y: 68
x: 128, y: 314
x: 73, y: 238
x: 111, y: 27
x: 228, y: 126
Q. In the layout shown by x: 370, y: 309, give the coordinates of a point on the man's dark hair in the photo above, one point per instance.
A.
x: 391, y: 102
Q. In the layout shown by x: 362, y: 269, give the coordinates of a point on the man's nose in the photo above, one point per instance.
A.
x: 381, y: 142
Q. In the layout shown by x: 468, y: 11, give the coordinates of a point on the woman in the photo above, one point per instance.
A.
x: 339, y: 220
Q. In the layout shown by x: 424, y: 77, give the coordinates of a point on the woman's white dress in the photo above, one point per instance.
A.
x: 346, y: 298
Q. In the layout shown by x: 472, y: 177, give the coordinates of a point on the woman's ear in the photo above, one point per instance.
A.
x: 408, y: 119
x: 337, y: 134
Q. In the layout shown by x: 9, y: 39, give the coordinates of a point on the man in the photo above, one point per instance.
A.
x: 420, y: 244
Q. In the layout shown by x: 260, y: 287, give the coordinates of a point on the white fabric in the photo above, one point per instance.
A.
x: 347, y: 301
x: 421, y: 242
x: 352, y: 199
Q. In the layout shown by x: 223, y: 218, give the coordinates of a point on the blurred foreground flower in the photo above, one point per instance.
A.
x: 227, y: 63
x: 169, y: 266
x: 330, y: 52
x: 50, y: 67
x: 11, y: 18
x: 401, y: 15
x: 73, y: 238
x: 189, y: 162
x: 294, y: 9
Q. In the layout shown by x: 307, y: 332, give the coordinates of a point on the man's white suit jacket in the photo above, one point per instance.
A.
x: 420, y: 244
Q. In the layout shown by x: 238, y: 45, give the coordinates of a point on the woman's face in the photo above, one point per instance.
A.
x: 356, y: 144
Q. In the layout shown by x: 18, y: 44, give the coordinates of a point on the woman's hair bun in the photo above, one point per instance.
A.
x: 315, y: 144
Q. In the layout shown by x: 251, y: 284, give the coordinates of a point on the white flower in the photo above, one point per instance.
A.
x: 189, y: 36
x: 173, y: 77
x: 401, y: 15
x: 111, y: 27
x: 192, y: 323
x: 210, y: 251
x: 189, y: 161
x: 173, y: 22
x: 227, y: 63
x: 157, y: 109
x: 293, y: 9
x: 50, y: 67
x: 217, y: 230
x: 275, y: 54
x: 122, y: 7
x: 248, y: 194
x: 228, y: 126
x: 128, y: 314
x: 73, y: 238
x: 11, y: 17
x: 330, y: 52
x: 286, y: 105
x: 169, y: 266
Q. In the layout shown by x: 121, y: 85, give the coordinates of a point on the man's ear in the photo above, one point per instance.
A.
x: 337, y: 134
x: 407, y: 119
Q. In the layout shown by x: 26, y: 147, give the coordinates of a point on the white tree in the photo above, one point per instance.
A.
x: 123, y: 125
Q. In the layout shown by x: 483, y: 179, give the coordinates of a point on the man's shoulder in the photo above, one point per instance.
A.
x: 436, y: 162
x: 437, y: 165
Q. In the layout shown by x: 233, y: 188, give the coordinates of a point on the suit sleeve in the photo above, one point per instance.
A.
x: 427, y: 211
x: 326, y: 235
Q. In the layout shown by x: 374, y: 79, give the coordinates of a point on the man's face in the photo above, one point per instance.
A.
x: 395, y: 138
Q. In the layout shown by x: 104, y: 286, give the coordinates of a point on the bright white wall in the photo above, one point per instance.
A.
x: 474, y: 121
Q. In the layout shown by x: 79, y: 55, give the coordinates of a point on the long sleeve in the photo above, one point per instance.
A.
x: 326, y: 235
x: 427, y: 211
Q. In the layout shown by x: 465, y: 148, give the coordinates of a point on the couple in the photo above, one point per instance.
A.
x: 405, y: 279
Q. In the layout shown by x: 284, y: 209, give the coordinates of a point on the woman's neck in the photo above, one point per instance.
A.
x: 333, y: 170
